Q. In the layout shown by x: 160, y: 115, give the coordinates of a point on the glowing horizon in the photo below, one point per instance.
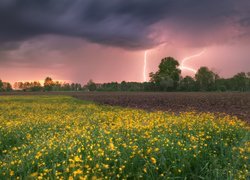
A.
x: 40, y: 81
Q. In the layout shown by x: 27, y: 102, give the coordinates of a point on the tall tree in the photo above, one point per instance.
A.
x: 66, y: 87
x: 78, y: 87
x: 91, y: 85
x: 35, y: 86
x: 240, y: 81
x: 248, y: 82
x: 7, y: 86
x: 48, y: 84
x: 205, y: 79
x: 168, y: 74
x: 18, y: 86
x: 1, y: 85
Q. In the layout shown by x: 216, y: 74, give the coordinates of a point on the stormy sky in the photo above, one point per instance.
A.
x: 76, y: 40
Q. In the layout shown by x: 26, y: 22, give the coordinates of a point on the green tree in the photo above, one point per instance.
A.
x: 187, y: 84
x: 8, y: 87
x: 1, y: 85
x: 168, y: 75
x: 248, y: 82
x: 48, y: 84
x: 240, y: 82
x: 66, y: 87
x: 5, y: 86
x: 205, y: 79
x: 124, y: 86
x: 149, y: 86
x: 91, y: 85
x: 78, y: 87
x: 35, y: 86
x: 166, y: 83
x: 57, y: 86
x: 222, y: 84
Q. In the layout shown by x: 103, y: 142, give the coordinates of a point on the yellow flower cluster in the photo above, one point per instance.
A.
x: 58, y: 137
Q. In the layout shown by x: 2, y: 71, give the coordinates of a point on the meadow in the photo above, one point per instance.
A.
x: 59, y: 137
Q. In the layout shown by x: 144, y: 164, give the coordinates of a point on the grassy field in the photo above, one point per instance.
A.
x: 62, y: 137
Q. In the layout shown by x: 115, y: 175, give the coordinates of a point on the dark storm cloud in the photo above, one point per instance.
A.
x: 123, y: 23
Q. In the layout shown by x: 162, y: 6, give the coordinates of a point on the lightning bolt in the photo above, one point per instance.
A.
x: 145, y: 67
x: 182, y: 66
x: 189, y: 69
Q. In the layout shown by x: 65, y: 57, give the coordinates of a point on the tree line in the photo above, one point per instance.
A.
x: 48, y: 85
x: 167, y: 78
x: 5, y: 86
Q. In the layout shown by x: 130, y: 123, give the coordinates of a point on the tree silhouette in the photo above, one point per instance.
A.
x: 205, y: 79
x: 168, y: 75
x: 48, y: 84
x: 240, y: 81
x: 91, y: 85
x: 187, y: 84
x: 1, y: 85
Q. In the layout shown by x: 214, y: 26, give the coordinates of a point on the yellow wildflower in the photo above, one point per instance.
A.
x: 12, y: 173
x: 77, y: 172
x: 153, y: 160
x: 77, y: 159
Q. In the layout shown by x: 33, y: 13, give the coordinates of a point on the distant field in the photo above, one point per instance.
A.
x: 49, y: 137
x: 231, y: 103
